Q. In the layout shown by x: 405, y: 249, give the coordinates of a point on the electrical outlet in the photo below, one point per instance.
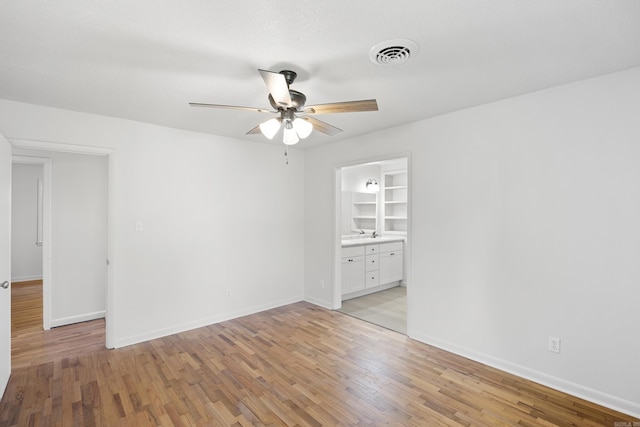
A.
x: 322, y: 284
x: 554, y: 345
x: 229, y: 292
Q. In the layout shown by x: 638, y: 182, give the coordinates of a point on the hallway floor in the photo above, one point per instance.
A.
x: 31, y: 345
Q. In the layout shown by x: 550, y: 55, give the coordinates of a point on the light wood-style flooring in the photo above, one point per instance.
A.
x: 31, y: 345
x: 298, y: 365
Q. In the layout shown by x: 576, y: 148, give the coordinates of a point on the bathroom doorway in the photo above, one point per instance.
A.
x: 373, y: 241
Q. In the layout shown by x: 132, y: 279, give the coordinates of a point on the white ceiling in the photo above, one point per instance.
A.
x: 145, y: 60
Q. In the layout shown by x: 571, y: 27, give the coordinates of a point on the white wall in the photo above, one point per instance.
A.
x: 354, y: 178
x: 26, y: 256
x: 525, y: 225
x: 79, y: 210
x: 207, y: 226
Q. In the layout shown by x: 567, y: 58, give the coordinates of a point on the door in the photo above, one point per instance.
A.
x: 5, y: 263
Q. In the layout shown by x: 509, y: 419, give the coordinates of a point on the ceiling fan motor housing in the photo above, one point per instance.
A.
x: 297, y: 101
x: 289, y: 76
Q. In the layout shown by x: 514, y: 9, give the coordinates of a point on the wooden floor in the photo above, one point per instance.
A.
x: 31, y: 345
x: 298, y: 365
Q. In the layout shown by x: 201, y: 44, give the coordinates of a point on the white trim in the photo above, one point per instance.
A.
x: 25, y: 279
x: 368, y: 291
x: 77, y: 319
x: 577, y: 390
x: 176, y: 329
x: 318, y: 302
x: 336, y: 289
x: 33, y: 144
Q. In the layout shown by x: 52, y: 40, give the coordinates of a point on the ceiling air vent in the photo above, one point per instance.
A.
x: 393, y: 52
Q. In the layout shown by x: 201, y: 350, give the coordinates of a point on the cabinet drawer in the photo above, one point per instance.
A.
x: 390, y: 247
x: 353, y: 251
x: 372, y: 262
x: 372, y: 249
x: 371, y: 278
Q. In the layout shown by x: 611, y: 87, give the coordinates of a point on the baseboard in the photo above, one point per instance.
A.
x: 63, y: 321
x: 25, y: 278
x: 318, y: 302
x: 368, y: 291
x: 577, y: 390
x: 176, y: 329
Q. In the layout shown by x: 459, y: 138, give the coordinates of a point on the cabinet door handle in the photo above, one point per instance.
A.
x: 5, y: 284
x: 392, y: 253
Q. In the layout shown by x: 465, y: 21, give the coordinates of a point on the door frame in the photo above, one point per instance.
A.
x: 110, y: 153
x: 46, y: 232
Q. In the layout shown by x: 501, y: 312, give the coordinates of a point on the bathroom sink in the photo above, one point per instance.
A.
x: 365, y: 240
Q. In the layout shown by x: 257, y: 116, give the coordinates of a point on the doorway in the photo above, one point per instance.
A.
x: 373, y: 241
x: 71, y: 229
x: 31, y: 237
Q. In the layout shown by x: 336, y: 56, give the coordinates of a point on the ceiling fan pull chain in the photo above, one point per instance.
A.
x: 286, y: 156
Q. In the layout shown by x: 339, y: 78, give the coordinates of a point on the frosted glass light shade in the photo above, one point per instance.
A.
x: 290, y: 136
x: 302, y: 127
x: 270, y: 128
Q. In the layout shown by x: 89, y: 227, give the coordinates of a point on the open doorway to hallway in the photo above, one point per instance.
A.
x: 374, y: 241
x: 31, y: 345
x: 66, y: 285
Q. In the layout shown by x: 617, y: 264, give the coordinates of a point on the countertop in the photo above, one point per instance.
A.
x: 359, y: 241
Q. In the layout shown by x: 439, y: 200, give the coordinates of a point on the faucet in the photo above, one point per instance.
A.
x: 374, y: 234
x: 361, y: 232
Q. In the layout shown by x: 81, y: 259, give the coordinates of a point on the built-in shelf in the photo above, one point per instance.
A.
x: 394, y: 193
x: 364, y: 212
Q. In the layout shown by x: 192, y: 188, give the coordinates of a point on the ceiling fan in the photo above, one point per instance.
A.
x: 294, y: 117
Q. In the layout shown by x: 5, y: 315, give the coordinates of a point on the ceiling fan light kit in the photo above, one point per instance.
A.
x: 289, y: 134
x: 270, y: 127
x: 294, y: 118
x: 302, y: 127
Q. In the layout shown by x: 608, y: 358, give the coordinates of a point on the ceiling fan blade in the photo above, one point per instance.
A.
x: 255, y: 130
x: 323, y: 127
x: 231, y: 107
x: 343, y: 107
x: 278, y: 87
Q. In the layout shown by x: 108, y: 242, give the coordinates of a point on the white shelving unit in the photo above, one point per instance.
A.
x: 364, y: 212
x: 394, y: 189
